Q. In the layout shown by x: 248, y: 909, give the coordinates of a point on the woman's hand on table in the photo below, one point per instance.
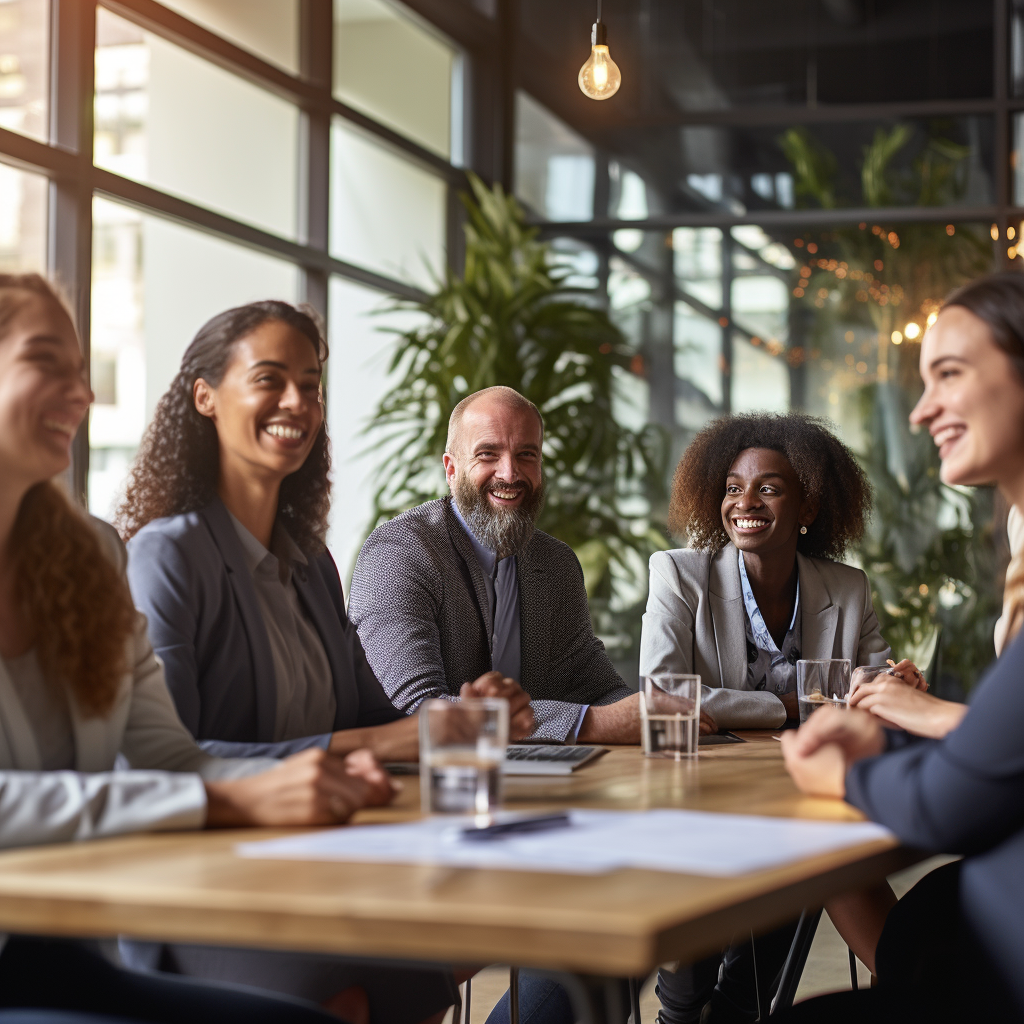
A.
x: 820, y: 752
x: 907, y: 707
x: 309, y: 788
x: 910, y: 674
x: 520, y: 715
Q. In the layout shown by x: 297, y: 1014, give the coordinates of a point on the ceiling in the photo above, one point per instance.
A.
x: 744, y: 69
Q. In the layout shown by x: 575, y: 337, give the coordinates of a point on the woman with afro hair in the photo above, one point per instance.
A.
x: 770, y: 503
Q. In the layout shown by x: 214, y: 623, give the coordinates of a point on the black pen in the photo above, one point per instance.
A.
x: 510, y: 828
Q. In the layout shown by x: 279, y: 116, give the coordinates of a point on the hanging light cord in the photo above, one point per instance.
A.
x: 598, y: 10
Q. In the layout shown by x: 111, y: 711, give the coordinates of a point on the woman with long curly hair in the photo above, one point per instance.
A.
x: 79, y: 684
x: 225, y: 516
x: 769, y: 503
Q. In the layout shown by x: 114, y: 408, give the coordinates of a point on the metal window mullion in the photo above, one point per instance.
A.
x: 69, y: 214
x: 150, y: 200
x: 316, y: 47
x: 508, y: 82
x: 776, y: 218
x: 1003, y: 147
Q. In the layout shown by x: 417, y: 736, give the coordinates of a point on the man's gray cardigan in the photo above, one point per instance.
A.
x: 420, y: 605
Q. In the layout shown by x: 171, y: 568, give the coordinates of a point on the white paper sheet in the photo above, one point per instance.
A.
x: 692, y: 842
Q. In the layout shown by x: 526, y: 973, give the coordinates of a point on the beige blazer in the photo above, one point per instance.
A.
x: 163, y: 791
x: 695, y: 622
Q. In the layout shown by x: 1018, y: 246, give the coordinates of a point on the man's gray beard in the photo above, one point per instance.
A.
x: 505, y: 531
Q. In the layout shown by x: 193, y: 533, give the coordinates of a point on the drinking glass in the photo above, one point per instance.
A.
x: 670, y: 715
x: 462, y: 748
x: 821, y: 682
x: 868, y: 673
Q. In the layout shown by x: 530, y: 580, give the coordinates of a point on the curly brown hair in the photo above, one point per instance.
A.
x: 178, y: 462
x: 827, y: 469
x: 73, y: 598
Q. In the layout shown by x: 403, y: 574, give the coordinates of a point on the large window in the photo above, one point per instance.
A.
x: 24, y: 66
x: 770, y: 208
x: 272, y: 149
x: 22, y: 221
x: 397, y: 71
x: 386, y: 213
x: 154, y: 285
x: 179, y: 123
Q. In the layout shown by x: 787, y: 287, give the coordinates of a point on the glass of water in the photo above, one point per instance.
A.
x: 820, y: 683
x: 462, y: 749
x: 670, y: 715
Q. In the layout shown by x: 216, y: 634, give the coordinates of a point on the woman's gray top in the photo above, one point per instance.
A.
x: 305, y: 691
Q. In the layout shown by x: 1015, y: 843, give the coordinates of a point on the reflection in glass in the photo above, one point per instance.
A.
x: 554, y: 165
x: 22, y: 220
x: 154, y: 285
x: 179, y: 123
x: 268, y: 28
x: 387, y: 214
x: 24, y: 66
x: 910, y: 162
x: 395, y: 70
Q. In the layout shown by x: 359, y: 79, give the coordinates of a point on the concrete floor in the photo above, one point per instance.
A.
x: 827, y: 968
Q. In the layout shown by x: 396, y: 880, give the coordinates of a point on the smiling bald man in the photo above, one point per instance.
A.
x: 458, y: 586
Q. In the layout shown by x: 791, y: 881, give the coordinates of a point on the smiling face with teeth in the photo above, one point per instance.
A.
x: 973, y: 403
x: 764, y: 504
x: 267, y: 407
x: 495, y: 471
x: 44, y: 392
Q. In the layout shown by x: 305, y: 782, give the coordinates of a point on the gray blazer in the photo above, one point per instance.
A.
x: 695, y: 622
x: 420, y: 604
x: 163, y: 791
x: 189, y: 575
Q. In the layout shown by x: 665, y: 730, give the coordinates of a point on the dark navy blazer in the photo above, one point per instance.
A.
x: 965, y: 794
x: 189, y: 576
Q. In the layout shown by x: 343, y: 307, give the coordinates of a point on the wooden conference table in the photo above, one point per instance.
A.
x: 192, y: 887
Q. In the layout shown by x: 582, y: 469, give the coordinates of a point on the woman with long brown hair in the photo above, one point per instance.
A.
x: 79, y: 684
x: 225, y: 516
x: 951, y: 949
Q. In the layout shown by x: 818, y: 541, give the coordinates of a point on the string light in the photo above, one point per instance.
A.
x: 600, y: 77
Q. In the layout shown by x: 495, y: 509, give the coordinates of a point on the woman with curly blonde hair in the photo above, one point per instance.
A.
x: 80, y: 684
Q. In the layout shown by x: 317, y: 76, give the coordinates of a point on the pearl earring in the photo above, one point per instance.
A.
x: 803, y: 529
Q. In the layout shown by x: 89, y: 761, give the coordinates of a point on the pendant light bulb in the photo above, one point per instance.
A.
x: 600, y: 77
